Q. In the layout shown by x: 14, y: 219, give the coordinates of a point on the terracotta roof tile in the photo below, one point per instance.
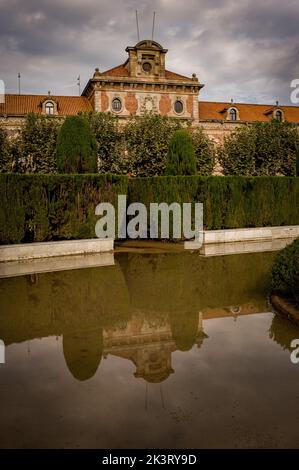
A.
x: 17, y: 105
x: 247, y: 111
x: 175, y: 76
x: 122, y: 71
x: 118, y: 71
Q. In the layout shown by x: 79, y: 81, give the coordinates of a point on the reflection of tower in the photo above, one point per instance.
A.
x: 153, y: 363
x: 149, y: 345
x: 83, y: 353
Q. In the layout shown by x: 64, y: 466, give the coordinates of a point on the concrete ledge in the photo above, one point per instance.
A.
x: 57, y: 263
x: 249, y: 234
x: 221, y: 249
x: 49, y: 249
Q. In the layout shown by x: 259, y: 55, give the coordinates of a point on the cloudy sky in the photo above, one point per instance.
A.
x: 247, y: 50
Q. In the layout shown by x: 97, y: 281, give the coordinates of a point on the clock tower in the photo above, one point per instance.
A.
x: 146, y: 60
x: 143, y: 85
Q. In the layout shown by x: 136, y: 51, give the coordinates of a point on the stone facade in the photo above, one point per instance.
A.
x: 140, y: 85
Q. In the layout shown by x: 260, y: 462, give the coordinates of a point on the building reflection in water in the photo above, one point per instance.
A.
x: 143, y: 308
x: 149, y: 345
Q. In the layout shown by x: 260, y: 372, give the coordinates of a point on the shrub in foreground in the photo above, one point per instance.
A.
x: 285, y: 271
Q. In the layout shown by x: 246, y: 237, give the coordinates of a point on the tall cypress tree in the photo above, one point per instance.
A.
x: 76, y: 147
x: 181, y: 156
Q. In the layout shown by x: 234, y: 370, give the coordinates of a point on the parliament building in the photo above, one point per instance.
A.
x: 143, y: 84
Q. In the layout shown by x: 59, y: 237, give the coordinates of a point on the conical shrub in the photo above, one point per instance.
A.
x: 181, y: 155
x: 76, y: 147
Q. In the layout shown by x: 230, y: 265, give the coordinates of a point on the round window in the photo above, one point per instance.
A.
x: 178, y: 107
x: 146, y: 66
x: 116, y: 104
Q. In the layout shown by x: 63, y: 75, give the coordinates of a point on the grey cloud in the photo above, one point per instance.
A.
x: 245, y: 49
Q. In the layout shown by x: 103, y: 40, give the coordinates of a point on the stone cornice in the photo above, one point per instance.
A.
x: 163, y: 84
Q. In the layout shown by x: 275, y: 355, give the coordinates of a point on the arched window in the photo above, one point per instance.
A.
x: 233, y: 114
x: 116, y: 105
x: 49, y: 108
x: 278, y: 115
x: 178, y: 107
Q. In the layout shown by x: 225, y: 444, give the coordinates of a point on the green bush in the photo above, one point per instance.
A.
x: 260, y: 149
x: 285, y: 271
x: 297, y: 161
x: 76, y: 147
x: 180, y: 155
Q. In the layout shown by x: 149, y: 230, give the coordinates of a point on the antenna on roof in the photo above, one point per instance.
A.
x: 79, y: 84
x: 153, y: 28
x: 19, y: 82
x: 137, y: 26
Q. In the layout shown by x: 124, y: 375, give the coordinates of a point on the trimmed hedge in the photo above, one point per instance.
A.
x: 35, y: 207
x: 229, y: 202
x: 53, y: 207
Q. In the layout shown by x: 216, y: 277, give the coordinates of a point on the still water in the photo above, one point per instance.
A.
x: 152, y: 350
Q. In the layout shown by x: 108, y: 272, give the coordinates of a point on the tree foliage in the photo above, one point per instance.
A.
x: 204, y: 152
x: 33, y: 149
x: 139, y: 147
x: 146, y: 143
x: 260, y: 149
x: 76, y: 147
x: 181, y: 155
x: 110, y: 143
x: 6, y: 163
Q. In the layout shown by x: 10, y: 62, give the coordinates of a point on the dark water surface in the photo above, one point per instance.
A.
x: 158, y: 350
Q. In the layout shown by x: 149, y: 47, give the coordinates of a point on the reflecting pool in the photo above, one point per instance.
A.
x: 151, y: 350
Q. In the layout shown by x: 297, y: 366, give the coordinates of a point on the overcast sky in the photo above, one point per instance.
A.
x: 247, y: 50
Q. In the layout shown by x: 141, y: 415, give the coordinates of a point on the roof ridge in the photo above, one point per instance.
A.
x: 250, y: 104
x: 179, y: 74
x: 46, y: 95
